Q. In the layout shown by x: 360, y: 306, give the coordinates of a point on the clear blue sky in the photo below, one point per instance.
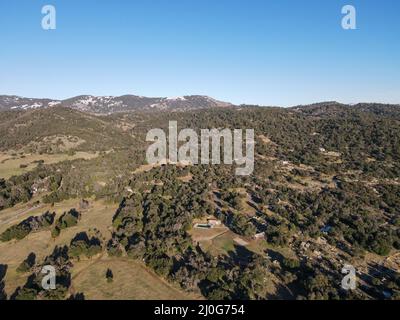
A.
x: 280, y: 52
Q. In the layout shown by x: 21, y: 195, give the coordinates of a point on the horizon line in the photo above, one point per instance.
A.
x: 205, y: 95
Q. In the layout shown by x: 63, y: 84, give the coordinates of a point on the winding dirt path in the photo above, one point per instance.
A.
x: 21, y: 213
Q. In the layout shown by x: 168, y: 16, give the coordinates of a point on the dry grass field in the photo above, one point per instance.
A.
x: 221, y: 244
x: 12, y: 253
x: 132, y: 280
x: 199, y: 235
x: 10, y: 164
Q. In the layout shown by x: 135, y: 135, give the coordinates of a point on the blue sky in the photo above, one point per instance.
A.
x: 280, y: 52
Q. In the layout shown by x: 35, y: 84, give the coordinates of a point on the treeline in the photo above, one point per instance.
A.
x: 84, y: 245
x: 27, y: 226
x: 66, y: 220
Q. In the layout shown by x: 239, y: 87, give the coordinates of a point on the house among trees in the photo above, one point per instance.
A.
x: 259, y: 236
x: 211, y: 223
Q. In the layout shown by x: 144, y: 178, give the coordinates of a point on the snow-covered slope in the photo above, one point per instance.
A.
x: 14, y: 102
x: 109, y: 104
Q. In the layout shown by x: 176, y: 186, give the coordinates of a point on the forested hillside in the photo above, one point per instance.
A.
x: 325, y: 192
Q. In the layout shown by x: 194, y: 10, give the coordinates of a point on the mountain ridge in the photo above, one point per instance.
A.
x: 105, y: 105
x: 113, y: 104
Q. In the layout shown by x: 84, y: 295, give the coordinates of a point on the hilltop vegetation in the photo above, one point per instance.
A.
x: 19, y: 129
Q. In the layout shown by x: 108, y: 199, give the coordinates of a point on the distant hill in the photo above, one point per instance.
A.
x: 104, y: 105
x: 109, y: 104
x: 336, y: 109
x: 21, y: 103
x: 20, y: 128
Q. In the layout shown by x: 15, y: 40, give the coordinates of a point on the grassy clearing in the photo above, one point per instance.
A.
x: 220, y: 245
x: 12, y: 253
x: 10, y: 164
x: 222, y: 242
x: 198, y: 234
x: 132, y: 281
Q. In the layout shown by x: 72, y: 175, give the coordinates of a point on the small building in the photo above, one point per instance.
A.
x: 259, y: 236
x: 213, y: 223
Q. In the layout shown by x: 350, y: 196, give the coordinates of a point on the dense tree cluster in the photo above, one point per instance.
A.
x: 237, y: 222
x: 153, y: 226
x: 67, y: 220
x: 31, y: 224
x: 27, y: 264
x: 33, y: 289
x: 84, y: 245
